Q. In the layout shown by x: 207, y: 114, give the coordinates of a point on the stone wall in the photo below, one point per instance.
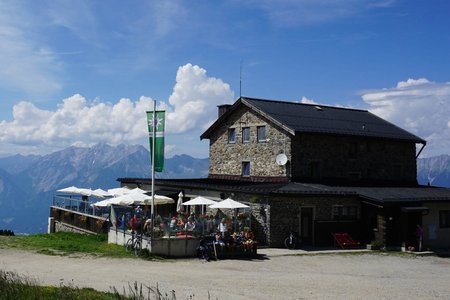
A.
x: 226, y: 158
x: 352, y: 159
x: 312, y: 157
x: 77, y: 220
x: 63, y: 227
x: 273, y: 218
x: 284, y: 216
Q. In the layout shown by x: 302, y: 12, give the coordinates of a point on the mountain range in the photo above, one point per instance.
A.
x: 434, y: 170
x: 27, y: 183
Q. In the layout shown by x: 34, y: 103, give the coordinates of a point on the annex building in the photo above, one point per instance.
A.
x: 317, y: 170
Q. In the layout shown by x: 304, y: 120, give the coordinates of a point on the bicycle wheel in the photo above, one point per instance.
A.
x: 129, y: 245
x: 137, y: 248
x: 290, y: 243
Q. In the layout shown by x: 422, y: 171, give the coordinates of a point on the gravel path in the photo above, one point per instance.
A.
x: 331, y: 276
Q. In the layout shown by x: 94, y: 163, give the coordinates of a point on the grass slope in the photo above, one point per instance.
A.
x: 65, y: 243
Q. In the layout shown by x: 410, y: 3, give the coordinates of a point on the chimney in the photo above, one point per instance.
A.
x: 223, y: 109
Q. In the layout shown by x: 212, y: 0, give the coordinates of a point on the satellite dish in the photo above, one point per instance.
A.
x: 281, y: 159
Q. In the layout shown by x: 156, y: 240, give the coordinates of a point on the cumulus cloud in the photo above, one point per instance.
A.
x: 77, y: 121
x: 419, y: 106
x: 195, y: 97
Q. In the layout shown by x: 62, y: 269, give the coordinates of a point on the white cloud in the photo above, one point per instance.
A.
x: 76, y: 121
x: 419, y: 106
x: 305, y: 100
x: 194, y: 98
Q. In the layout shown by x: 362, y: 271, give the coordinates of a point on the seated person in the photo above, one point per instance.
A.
x: 228, y: 240
x: 180, y: 223
x: 173, y: 223
x: 218, y: 239
x: 148, y: 226
x: 190, y: 225
x: 248, y: 240
x: 238, y: 238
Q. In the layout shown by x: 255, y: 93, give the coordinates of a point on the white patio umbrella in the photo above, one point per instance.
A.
x: 200, y: 201
x: 102, y: 192
x: 118, y: 191
x: 90, y: 193
x: 103, y: 203
x: 138, y: 190
x: 180, y: 202
x: 69, y: 190
x: 134, y: 199
x: 229, y: 203
x: 81, y: 191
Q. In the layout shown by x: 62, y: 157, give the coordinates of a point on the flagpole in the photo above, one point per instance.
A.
x: 153, y: 164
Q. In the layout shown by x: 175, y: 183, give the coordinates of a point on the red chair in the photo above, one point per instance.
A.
x: 344, y: 240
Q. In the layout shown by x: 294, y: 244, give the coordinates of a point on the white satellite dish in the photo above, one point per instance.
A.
x: 281, y: 159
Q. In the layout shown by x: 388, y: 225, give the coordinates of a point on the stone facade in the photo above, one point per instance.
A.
x: 311, y: 157
x: 274, y: 217
x: 285, y: 216
x: 226, y: 158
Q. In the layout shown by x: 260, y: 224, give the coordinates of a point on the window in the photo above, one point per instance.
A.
x: 245, y: 168
x: 444, y: 218
x: 261, y: 133
x: 231, y: 135
x: 245, y: 134
x: 343, y: 212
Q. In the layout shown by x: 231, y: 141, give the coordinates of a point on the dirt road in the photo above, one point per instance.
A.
x: 363, y: 276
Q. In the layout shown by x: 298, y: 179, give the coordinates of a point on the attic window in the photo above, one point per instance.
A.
x: 318, y: 108
x: 245, y: 134
x: 231, y: 135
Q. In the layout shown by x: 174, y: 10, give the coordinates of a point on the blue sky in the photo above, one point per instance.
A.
x: 81, y: 72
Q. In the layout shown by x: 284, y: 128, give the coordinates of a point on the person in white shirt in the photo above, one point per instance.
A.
x: 222, y: 227
x: 190, y: 225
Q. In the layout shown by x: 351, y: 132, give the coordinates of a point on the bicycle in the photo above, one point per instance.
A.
x: 291, y: 242
x: 134, y: 243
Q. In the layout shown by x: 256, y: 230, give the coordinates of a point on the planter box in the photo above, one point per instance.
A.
x: 373, y: 247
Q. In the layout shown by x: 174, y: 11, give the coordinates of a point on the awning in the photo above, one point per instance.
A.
x: 415, y: 209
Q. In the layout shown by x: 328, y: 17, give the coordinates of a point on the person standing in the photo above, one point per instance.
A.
x: 222, y: 227
x: 419, y: 237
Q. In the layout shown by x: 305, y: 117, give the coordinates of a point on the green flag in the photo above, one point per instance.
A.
x: 159, y: 138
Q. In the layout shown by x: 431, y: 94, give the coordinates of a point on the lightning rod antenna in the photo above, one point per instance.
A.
x: 240, y: 80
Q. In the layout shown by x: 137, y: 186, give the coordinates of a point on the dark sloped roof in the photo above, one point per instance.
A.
x: 376, y: 194
x: 404, y: 194
x: 309, y: 118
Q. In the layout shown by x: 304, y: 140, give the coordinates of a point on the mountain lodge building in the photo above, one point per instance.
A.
x: 317, y: 170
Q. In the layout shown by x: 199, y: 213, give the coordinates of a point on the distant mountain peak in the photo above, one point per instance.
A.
x: 434, y: 170
x: 28, y: 182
